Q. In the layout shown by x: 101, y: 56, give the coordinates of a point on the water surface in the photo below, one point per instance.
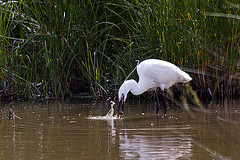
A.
x: 62, y: 130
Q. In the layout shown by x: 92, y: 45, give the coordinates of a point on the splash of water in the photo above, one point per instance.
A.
x: 111, y: 111
x: 110, y: 115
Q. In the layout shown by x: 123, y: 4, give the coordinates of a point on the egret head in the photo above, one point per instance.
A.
x: 123, y: 91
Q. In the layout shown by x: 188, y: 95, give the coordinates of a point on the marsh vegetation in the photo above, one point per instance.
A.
x: 58, y: 49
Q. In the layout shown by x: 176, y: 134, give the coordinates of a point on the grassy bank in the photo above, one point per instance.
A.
x: 81, y: 48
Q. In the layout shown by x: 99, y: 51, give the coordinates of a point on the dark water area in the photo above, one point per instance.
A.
x: 62, y: 130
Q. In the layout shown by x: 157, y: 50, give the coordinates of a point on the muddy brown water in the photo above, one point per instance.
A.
x: 62, y: 130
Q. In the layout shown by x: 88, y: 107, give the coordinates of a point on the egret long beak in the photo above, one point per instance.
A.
x: 121, y: 102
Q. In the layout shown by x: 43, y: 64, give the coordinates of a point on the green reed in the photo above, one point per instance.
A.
x: 70, y: 48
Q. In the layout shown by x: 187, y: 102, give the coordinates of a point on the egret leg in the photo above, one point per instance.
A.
x: 183, y: 91
x: 155, y: 99
x: 165, y: 104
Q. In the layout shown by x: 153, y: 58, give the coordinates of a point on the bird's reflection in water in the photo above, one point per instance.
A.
x: 146, y: 145
x: 149, y: 143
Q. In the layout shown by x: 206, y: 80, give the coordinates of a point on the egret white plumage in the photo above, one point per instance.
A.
x: 152, y: 73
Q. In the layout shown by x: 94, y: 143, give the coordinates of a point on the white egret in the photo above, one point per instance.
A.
x: 152, y: 73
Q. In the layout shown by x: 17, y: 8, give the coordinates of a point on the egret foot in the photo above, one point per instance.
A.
x: 120, y: 114
x: 164, y: 116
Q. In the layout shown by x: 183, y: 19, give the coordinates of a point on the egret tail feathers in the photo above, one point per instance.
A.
x: 185, y: 77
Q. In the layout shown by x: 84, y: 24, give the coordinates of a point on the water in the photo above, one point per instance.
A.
x: 64, y: 131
